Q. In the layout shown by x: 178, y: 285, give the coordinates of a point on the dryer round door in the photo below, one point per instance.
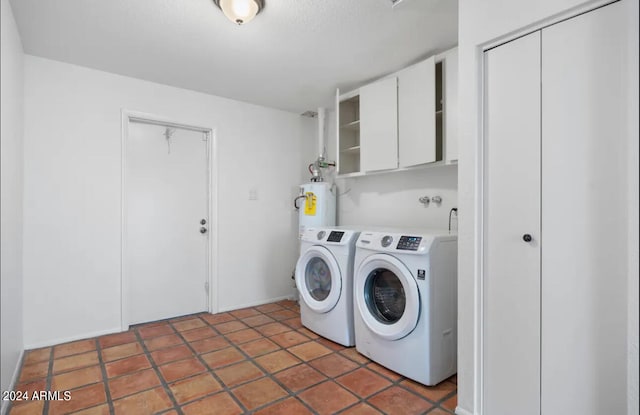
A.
x: 387, y: 296
x: 318, y: 279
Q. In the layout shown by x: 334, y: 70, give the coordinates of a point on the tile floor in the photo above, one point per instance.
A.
x: 258, y: 360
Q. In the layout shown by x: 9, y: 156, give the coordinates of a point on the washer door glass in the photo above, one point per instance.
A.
x: 318, y: 279
x: 385, y: 296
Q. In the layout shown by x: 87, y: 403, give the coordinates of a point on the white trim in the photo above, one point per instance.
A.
x: 255, y: 303
x: 461, y: 411
x: 212, y: 247
x: 61, y: 340
x: 4, y: 407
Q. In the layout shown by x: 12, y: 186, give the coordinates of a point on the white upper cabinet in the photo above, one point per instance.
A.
x: 450, y: 105
x: 379, y: 125
x: 417, y: 114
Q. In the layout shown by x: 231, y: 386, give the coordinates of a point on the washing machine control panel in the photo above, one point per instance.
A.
x: 409, y: 243
x: 335, y: 236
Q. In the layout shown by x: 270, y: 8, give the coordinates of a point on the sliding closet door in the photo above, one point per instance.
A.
x: 583, y: 214
x: 511, y: 282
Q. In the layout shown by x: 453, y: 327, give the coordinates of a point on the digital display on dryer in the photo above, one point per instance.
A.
x: 335, y: 236
x: 409, y: 243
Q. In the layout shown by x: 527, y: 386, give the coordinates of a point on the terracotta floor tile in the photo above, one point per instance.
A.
x: 244, y: 312
x: 239, y: 373
x: 34, y: 371
x: 119, y: 352
x: 353, y: 354
x: 95, y: 410
x: 439, y: 411
x: 181, y: 369
x: 328, y: 398
x: 258, y: 320
x: 199, y: 334
x: 267, y: 308
x: 222, y: 357
x: 117, y: 339
x: 133, y: 383
x: 289, y: 406
x: 37, y: 355
x: 362, y: 409
x: 147, y: 402
x: 396, y: 400
x: 76, y: 378
x: 259, y: 347
x: 308, y: 333
x: 77, y: 361
x: 294, y: 323
x: 80, y: 399
x: 273, y: 328
x: 259, y: 392
x: 282, y: 314
x: 363, y: 382
x: 309, y: 351
x: 300, y: 377
x: 389, y: 374
x: 219, y: 404
x: 433, y: 393
x: 453, y: 379
x: 194, y: 323
x: 171, y: 354
x: 277, y: 361
x: 230, y: 326
x: 77, y: 347
x: 289, y: 338
x: 127, y: 365
x: 155, y: 331
x: 331, y: 345
x: 210, y: 344
x: 161, y: 342
x: 450, y: 403
x: 243, y: 336
x: 334, y: 365
x: 30, y: 388
x: 218, y: 318
x: 29, y: 408
x: 288, y: 304
x: 195, y: 387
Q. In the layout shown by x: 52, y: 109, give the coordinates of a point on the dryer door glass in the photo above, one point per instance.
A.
x: 318, y: 279
x: 385, y: 296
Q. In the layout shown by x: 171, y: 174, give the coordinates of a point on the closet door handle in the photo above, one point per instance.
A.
x: 527, y: 238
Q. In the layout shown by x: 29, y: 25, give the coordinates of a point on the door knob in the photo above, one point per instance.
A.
x: 203, y: 222
x: 203, y: 230
x: 527, y: 238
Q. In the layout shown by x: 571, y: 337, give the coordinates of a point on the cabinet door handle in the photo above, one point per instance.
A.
x: 527, y: 238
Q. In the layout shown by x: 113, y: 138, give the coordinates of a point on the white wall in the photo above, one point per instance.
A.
x: 72, y: 195
x: 391, y: 199
x: 11, y: 88
x: 481, y: 23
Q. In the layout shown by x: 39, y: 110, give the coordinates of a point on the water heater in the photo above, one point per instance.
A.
x: 316, y: 206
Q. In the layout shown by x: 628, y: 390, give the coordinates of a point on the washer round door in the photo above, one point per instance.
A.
x: 387, y: 296
x: 318, y: 279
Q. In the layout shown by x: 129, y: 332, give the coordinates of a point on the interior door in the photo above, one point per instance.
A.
x: 166, y: 222
x: 584, y: 269
x: 511, y: 277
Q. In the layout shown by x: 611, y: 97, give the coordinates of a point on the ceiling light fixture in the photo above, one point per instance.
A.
x: 240, y: 11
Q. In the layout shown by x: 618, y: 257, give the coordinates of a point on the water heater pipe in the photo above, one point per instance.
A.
x: 321, y: 142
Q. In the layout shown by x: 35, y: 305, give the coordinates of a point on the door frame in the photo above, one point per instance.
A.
x: 127, y: 117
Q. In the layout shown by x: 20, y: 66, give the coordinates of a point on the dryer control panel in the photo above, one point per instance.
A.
x: 409, y: 243
x: 335, y: 236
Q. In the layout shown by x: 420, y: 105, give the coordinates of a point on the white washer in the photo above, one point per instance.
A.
x: 406, y: 302
x: 324, y: 278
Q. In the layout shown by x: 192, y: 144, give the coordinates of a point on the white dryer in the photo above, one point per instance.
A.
x: 324, y: 278
x: 405, y: 299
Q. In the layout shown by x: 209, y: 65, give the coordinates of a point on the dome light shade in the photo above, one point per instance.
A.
x: 240, y: 11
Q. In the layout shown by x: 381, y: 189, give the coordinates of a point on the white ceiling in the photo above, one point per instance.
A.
x: 292, y: 56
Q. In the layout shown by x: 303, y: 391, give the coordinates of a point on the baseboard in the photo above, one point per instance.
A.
x: 461, y: 411
x: 257, y: 303
x: 4, y: 407
x: 53, y: 342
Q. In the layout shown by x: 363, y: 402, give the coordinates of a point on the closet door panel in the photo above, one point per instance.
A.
x: 583, y: 214
x: 511, y: 274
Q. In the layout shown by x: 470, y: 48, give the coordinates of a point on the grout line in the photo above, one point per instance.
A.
x: 45, y: 407
x: 105, y: 377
